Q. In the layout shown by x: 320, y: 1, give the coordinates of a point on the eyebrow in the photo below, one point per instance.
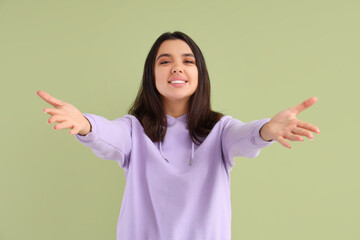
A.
x: 169, y: 55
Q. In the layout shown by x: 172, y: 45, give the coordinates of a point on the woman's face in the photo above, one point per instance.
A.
x: 176, y: 73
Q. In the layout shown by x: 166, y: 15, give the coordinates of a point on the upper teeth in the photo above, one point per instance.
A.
x: 178, y: 81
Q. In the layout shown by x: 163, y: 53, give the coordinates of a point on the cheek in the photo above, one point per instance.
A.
x: 157, y: 78
x: 196, y: 85
x: 159, y: 75
x: 158, y: 85
x: 196, y: 78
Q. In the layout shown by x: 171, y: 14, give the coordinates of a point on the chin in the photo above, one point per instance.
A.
x: 174, y: 98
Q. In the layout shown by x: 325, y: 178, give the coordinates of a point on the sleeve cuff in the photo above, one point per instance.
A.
x: 94, y: 130
x: 256, y: 138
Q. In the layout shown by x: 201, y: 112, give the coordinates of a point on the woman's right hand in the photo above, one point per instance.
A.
x: 66, y: 115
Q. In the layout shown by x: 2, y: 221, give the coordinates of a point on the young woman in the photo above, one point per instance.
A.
x: 176, y: 152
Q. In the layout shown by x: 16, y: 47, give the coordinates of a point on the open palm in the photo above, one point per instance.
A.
x: 285, y: 125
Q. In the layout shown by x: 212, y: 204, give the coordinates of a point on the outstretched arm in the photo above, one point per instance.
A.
x: 110, y: 140
x: 285, y: 125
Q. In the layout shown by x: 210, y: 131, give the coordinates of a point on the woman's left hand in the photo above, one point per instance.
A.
x: 284, y: 125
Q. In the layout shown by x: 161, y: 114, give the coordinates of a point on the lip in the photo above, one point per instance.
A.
x: 173, y: 78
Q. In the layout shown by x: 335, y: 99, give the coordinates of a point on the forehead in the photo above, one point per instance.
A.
x: 174, y: 47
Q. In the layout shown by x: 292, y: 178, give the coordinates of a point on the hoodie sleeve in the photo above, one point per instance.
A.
x: 242, y: 139
x: 109, y: 140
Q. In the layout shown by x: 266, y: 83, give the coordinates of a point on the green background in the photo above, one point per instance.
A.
x: 262, y: 56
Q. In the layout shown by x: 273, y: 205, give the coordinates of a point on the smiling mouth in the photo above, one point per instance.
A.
x: 177, y: 81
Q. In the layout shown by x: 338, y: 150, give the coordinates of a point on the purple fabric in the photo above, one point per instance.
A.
x: 174, y: 200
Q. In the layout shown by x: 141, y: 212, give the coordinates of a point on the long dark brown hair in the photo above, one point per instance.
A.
x: 148, y: 106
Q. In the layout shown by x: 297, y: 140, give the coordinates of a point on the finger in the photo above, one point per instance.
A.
x: 66, y: 124
x: 303, y: 132
x: 282, y: 141
x: 304, y: 105
x: 57, y: 118
x: 308, y: 126
x: 49, y: 99
x: 293, y: 137
x: 53, y: 111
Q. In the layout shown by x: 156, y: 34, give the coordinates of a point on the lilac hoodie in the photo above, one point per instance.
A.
x: 175, y: 190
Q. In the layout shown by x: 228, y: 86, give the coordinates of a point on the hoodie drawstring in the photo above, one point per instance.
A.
x: 192, y: 153
x: 163, y: 154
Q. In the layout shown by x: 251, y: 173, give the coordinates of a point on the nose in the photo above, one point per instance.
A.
x: 177, y: 70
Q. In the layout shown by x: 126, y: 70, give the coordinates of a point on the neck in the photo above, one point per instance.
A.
x: 176, y: 108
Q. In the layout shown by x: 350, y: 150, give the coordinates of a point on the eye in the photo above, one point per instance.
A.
x: 163, y: 62
x: 189, y: 61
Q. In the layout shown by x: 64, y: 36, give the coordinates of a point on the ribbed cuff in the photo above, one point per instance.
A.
x: 94, y: 130
x: 256, y: 138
